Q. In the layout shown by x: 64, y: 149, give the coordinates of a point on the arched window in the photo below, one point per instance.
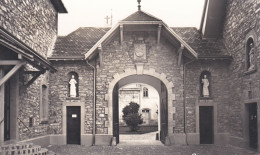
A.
x: 73, y: 84
x: 145, y: 92
x: 44, y: 103
x: 205, y: 84
x: 250, y: 52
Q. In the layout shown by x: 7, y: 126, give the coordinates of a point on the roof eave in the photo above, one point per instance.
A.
x: 59, y: 6
x: 220, y: 57
x: 195, y: 54
x: 92, y: 50
x: 17, y: 46
x: 60, y: 58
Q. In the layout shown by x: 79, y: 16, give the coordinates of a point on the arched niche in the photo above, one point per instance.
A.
x: 250, y: 53
x: 208, y: 76
x: 76, y: 77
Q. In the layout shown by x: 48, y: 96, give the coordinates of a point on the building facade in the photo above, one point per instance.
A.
x: 28, y: 31
x: 207, y: 79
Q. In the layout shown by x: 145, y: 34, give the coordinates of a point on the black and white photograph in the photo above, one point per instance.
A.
x: 129, y: 77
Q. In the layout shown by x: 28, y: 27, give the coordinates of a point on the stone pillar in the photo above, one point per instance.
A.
x: 1, y: 107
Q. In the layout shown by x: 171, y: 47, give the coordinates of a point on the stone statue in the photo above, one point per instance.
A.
x: 73, y: 91
x: 205, y: 88
x: 251, y: 57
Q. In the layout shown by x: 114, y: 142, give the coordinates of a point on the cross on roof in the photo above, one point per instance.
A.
x: 107, y: 18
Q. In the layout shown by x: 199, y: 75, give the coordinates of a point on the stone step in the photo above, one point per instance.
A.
x: 21, y: 148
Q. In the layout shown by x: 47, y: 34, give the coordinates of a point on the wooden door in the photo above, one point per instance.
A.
x: 253, y: 134
x: 73, y: 125
x: 206, y: 124
x: 164, y: 113
x: 115, y: 114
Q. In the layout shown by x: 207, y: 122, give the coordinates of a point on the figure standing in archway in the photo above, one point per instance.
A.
x: 251, y: 57
x: 205, y: 83
x: 73, y: 90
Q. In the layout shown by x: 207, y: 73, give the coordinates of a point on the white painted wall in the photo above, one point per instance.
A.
x: 134, y: 92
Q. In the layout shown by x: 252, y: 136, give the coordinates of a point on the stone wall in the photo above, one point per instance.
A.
x: 117, y: 58
x: 30, y: 107
x: 32, y: 22
x: 59, y: 93
x: 219, y: 92
x: 241, y: 20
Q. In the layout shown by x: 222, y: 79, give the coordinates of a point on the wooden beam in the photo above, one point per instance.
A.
x: 180, y: 51
x: 121, y: 34
x: 11, y: 73
x: 35, y: 76
x: 2, y: 94
x: 100, y: 53
x: 159, y: 33
x: 9, y: 62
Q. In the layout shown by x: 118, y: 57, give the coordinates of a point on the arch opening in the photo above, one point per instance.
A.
x: 151, y: 83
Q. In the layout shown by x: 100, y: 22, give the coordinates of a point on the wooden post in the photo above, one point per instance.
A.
x: 121, y: 34
x: 159, y: 33
x: 180, y: 51
x: 2, y: 95
x: 100, y: 52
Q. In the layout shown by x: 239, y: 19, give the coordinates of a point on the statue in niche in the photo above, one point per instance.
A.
x: 205, y: 87
x: 251, y: 56
x: 73, y: 89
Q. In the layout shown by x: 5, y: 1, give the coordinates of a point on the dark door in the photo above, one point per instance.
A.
x: 73, y: 125
x: 115, y: 114
x: 7, y: 111
x: 253, y: 134
x: 206, y: 124
x: 163, y: 113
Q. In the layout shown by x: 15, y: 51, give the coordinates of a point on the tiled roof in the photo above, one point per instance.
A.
x: 141, y: 16
x: 204, y: 47
x: 78, y: 42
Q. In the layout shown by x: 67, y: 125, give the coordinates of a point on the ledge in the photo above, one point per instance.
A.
x: 251, y: 71
x: 205, y: 98
x: 73, y: 98
x: 44, y: 122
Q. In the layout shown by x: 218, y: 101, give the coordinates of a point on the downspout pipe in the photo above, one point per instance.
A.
x: 184, y: 96
x: 94, y: 104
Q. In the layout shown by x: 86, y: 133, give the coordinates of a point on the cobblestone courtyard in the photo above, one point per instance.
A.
x: 151, y: 150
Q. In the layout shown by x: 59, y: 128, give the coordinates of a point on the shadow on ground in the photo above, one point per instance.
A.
x: 150, y: 150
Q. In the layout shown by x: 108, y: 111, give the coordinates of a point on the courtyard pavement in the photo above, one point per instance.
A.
x: 150, y: 150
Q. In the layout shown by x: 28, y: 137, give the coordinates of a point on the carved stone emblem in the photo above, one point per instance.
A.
x: 139, y: 52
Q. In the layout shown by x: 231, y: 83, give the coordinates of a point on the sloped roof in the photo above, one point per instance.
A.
x: 204, y: 47
x: 141, y: 16
x: 77, y: 43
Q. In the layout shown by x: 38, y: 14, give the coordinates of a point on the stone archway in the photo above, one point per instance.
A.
x: 151, y: 72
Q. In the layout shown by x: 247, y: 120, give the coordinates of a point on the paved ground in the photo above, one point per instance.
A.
x: 150, y: 150
x: 139, y: 139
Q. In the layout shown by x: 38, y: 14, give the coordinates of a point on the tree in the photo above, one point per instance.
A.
x: 131, y: 116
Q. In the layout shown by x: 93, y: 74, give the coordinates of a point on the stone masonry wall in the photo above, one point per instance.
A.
x: 34, y: 22
x: 59, y: 93
x: 242, y: 17
x: 117, y: 58
x: 219, y: 92
x: 29, y: 106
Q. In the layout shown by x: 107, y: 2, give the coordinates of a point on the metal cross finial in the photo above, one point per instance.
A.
x: 139, y: 6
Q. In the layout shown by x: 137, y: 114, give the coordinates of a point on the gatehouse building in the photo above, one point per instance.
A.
x: 71, y: 89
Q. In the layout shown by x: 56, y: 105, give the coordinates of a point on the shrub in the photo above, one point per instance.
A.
x: 131, y: 116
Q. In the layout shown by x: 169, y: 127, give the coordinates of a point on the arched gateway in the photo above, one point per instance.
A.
x: 158, y: 81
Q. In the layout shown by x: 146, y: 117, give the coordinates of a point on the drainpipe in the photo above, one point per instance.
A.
x: 184, y: 96
x: 94, y: 103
